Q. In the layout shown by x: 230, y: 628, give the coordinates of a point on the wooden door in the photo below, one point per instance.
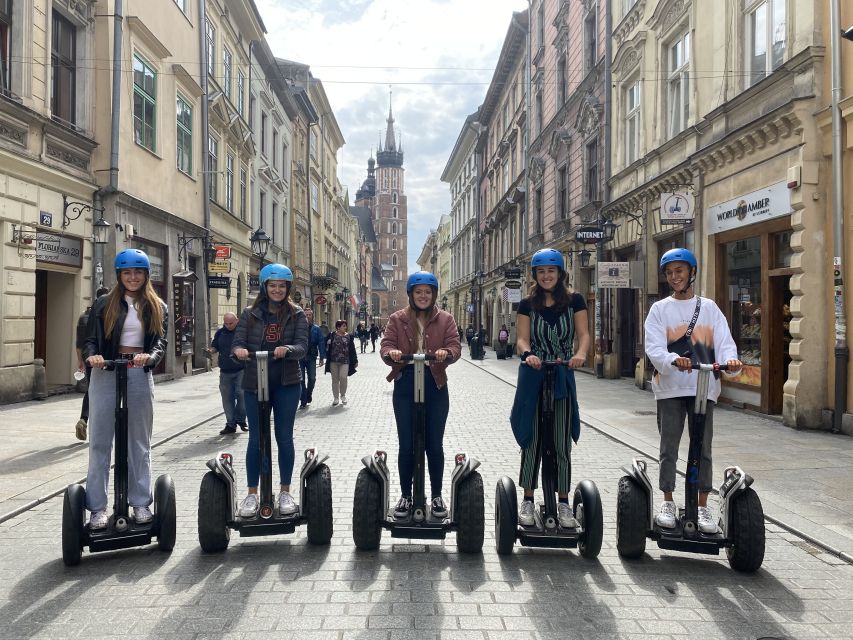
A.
x: 40, y: 346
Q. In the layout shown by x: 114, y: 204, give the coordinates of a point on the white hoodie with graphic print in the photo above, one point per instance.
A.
x: 711, y: 341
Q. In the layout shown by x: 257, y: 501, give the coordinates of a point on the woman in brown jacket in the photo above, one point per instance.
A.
x: 420, y: 328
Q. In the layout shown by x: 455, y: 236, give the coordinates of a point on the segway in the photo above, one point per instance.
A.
x: 371, y: 514
x: 122, y: 531
x: 741, y: 525
x: 217, y: 498
x: 546, y: 530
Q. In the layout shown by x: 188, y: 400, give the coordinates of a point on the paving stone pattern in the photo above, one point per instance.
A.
x: 281, y: 587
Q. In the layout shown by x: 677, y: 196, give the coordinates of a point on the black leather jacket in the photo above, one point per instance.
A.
x: 97, y: 343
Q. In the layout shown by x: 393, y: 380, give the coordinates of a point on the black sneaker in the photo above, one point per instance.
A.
x: 403, y: 508
x: 243, y: 426
x: 229, y: 428
x: 438, y: 509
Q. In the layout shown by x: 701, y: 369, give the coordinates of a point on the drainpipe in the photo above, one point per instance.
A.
x: 841, y: 350
x: 527, y: 83
x: 205, y: 160
x: 310, y: 212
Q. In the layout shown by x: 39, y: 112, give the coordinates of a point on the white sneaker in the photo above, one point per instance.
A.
x: 142, y: 515
x: 565, y: 516
x: 98, y: 519
x: 286, y: 504
x: 525, y: 514
x: 343, y: 399
x: 249, y: 506
x: 335, y: 402
x: 666, y: 516
x: 706, y: 520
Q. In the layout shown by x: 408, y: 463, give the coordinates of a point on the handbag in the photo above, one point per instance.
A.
x: 683, y: 346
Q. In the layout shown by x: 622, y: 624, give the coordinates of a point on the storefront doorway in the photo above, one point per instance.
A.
x: 55, y: 325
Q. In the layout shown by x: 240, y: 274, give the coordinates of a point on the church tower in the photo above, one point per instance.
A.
x: 383, y: 192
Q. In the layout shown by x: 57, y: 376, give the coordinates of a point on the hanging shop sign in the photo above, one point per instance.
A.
x: 614, y: 275
x: 218, y: 282
x: 219, y: 267
x: 511, y: 295
x: 223, y: 252
x: 320, y: 300
x: 513, y: 284
x: 56, y: 249
x: 676, y: 208
x: 590, y: 235
x: 765, y: 204
x: 512, y: 274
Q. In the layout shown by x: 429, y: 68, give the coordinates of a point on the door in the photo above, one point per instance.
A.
x: 627, y: 302
x: 40, y: 346
x: 779, y: 337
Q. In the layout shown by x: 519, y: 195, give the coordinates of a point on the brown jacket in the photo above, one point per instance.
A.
x: 439, y: 333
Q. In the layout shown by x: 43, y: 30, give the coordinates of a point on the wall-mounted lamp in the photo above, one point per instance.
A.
x: 260, y: 243
x: 77, y: 209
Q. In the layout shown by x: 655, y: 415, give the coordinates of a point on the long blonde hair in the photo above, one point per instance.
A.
x: 148, y: 304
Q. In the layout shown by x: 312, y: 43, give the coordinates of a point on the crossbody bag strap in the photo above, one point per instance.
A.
x: 694, y: 318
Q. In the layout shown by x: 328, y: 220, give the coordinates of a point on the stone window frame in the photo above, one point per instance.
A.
x: 185, y: 132
x: 748, y: 8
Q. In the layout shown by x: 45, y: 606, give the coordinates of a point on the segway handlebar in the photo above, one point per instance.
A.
x: 109, y: 365
x: 701, y: 366
x: 269, y: 354
x: 559, y: 362
x: 426, y: 357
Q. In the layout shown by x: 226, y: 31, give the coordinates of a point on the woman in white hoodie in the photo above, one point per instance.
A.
x: 682, y: 329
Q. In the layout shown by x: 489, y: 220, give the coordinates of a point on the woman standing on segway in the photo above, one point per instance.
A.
x: 548, y: 321
x: 420, y: 328
x: 274, y: 324
x: 130, y: 322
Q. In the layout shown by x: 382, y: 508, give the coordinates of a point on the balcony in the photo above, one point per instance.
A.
x: 325, y: 275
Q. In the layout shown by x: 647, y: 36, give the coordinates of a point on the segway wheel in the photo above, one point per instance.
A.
x: 588, y: 512
x: 632, y: 518
x: 165, y: 512
x: 506, y: 516
x: 747, y: 533
x: 213, y: 531
x: 367, y: 512
x: 319, y: 505
x: 73, y: 525
x: 470, y: 514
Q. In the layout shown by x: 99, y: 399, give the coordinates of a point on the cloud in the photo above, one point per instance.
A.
x: 437, y: 56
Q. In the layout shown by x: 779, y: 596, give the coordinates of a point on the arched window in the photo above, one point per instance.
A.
x: 394, y: 197
x: 394, y: 212
x: 393, y: 227
x: 394, y: 260
x: 394, y: 243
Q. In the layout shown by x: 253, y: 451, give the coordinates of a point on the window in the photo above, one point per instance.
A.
x: 393, y: 227
x: 394, y: 260
x: 765, y: 35
x: 632, y: 122
x: 226, y: 71
x: 562, y: 81
x: 63, y: 59
x: 313, y: 144
x: 241, y: 92
x: 263, y: 133
x: 243, y: 193
x: 210, y: 37
x: 394, y: 212
x: 212, y: 164
x: 144, y: 103
x: 590, y: 39
x: 394, y: 243
x: 229, y: 182
x: 678, y: 85
x: 563, y: 192
x: 315, y: 194
x: 592, y: 171
x: 262, y: 207
x: 182, y: 5
x: 627, y: 6
x: 274, y: 221
x: 540, y: 25
x: 274, y: 149
x: 506, y: 116
x: 537, y: 223
x: 251, y: 112
x: 505, y: 175
x: 184, y: 136
x: 5, y: 43
x: 539, y: 115
x: 394, y: 197
x: 284, y: 161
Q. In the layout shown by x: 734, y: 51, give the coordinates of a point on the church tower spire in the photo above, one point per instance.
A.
x: 390, y: 144
x: 390, y: 153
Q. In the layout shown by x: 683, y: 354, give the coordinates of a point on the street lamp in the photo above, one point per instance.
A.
x: 444, y: 303
x: 260, y: 243
x: 344, y: 294
x: 100, y: 230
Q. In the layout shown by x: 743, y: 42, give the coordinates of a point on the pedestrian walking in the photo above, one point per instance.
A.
x: 469, y: 334
x: 363, y: 335
x: 551, y: 324
x: 421, y: 327
x: 274, y: 324
x: 680, y: 330
x: 316, y: 347
x: 341, y: 361
x: 82, y: 423
x: 130, y: 322
x: 374, y: 335
x: 230, y: 376
x: 503, y: 339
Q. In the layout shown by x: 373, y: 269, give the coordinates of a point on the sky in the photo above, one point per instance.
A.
x: 437, y: 58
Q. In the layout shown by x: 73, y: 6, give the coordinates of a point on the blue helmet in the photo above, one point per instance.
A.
x: 421, y: 277
x: 132, y: 259
x: 275, y: 272
x: 548, y: 257
x: 678, y: 255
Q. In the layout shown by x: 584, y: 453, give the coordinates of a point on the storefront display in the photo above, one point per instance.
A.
x: 744, y: 271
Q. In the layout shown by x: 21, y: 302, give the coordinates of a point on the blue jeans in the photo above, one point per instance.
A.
x: 437, y: 408
x: 231, y: 390
x: 284, y: 402
x: 309, y: 378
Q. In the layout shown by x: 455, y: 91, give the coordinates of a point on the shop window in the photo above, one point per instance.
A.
x: 743, y: 265
x: 782, y: 250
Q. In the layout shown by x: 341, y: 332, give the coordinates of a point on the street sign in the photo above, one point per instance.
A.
x: 513, y: 284
x: 254, y: 282
x: 223, y: 252
x: 614, y: 275
x: 512, y: 274
x: 45, y: 219
x: 676, y: 208
x: 511, y: 295
x: 321, y: 300
x: 219, y: 267
x: 589, y: 235
x: 218, y: 282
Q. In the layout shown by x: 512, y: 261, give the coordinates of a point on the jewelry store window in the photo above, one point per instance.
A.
x: 743, y: 261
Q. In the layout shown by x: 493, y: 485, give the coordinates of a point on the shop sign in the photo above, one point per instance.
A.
x: 614, y: 275
x: 590, y: 235
x: 511, y: 295
x: 56, y: 249
x: 254, y: 282
x: 765, y: 204
x: 223, y: 252
x: 219, y: 267
x: 513, y: 284
x: 676, y: 208
x: 218, y: 282
x: 320, y: 300
x: 512, y: 274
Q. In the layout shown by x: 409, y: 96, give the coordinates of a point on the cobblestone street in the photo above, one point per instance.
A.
x: 281, y: 587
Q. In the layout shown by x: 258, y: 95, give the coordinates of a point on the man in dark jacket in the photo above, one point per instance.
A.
x: 230, y: 376
x: 316, y: 346
x: 82, y: 425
